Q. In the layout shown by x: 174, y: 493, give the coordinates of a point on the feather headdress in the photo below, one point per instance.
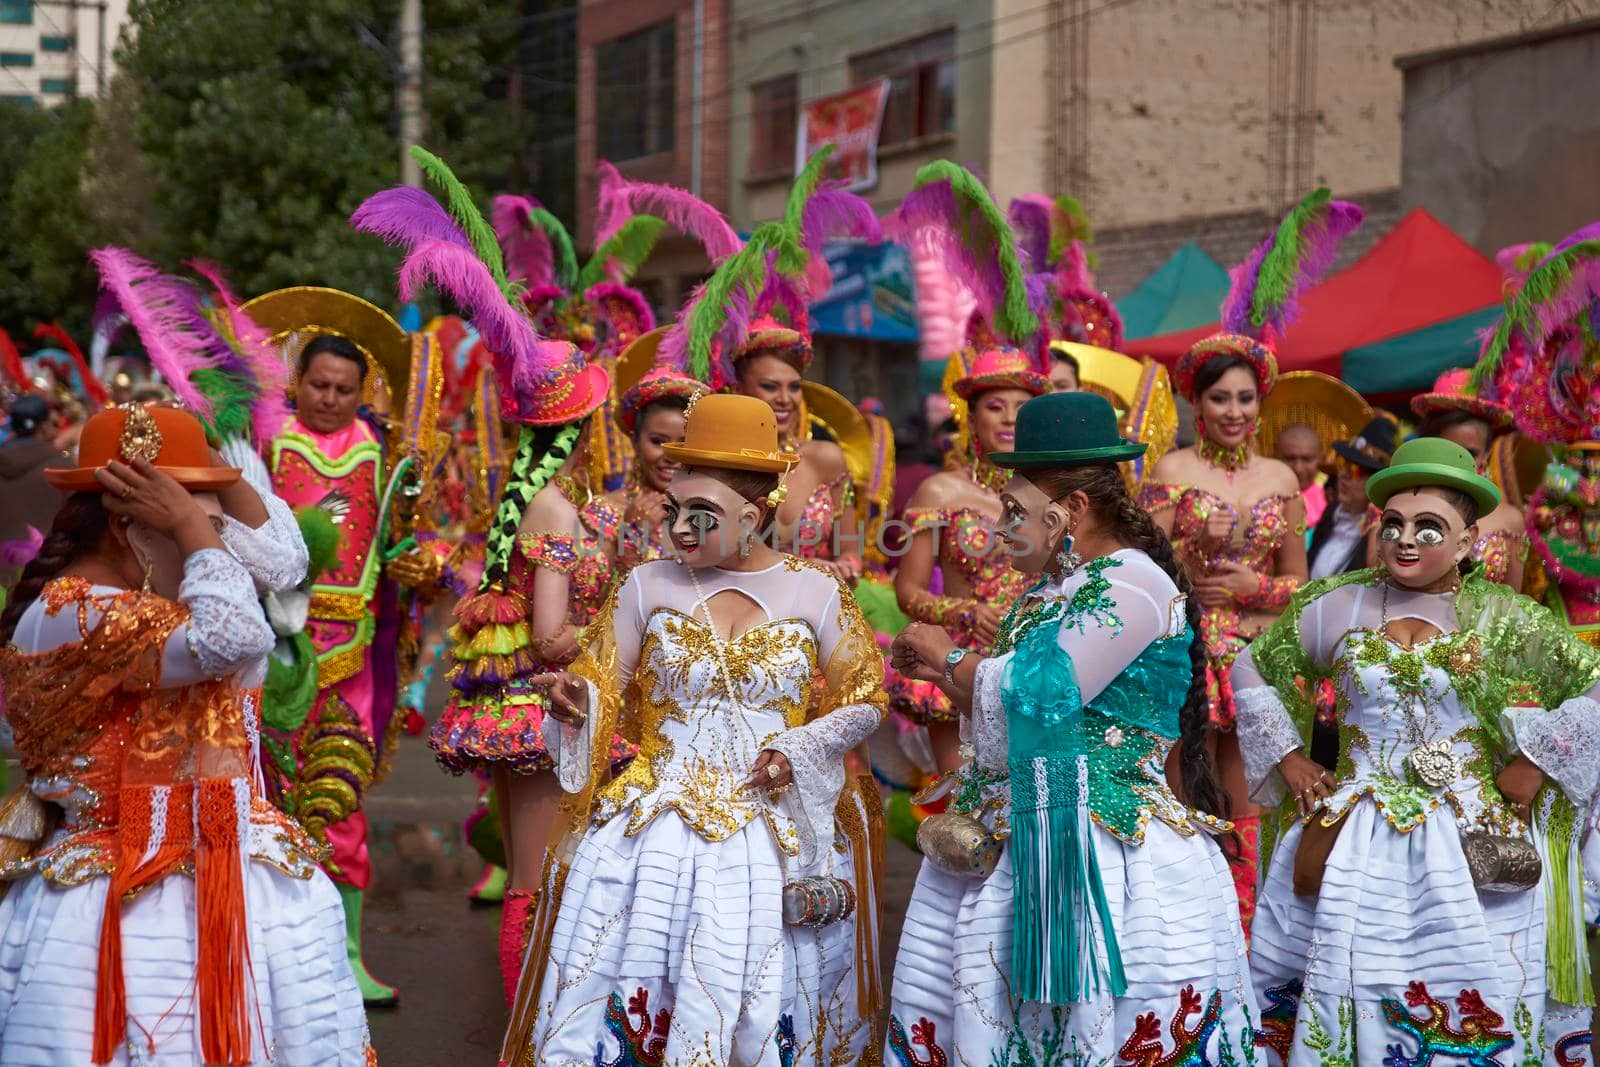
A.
x: 1054, y: 240
x: 950, y: 214
x: 165, y: 313
x: 92, y: 386
x: 253, y: 376
x: 1264, y: 296
x: 622, y: 199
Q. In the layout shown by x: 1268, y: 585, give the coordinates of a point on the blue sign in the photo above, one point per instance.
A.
x: 873, y: 295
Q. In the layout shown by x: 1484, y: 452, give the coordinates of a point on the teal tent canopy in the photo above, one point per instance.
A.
x: 1413, y: 360
x: 1184, y: 291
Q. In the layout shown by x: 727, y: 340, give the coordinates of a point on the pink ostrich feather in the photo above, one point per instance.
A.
x: 260, y: 357
x: 164, y: 320
x: 1073, y: 270
x: 523, y: 360
x: 626, y: 295
x: 530, y: 257
x: 621, y: 199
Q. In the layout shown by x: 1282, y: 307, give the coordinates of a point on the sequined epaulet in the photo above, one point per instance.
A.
x: 1157, y: 496
x: 556, y: 551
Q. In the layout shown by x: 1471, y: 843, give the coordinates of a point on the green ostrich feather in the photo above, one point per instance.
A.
x: 1548, y: 282
x: 465, y: 211
x: 321, y: 535
x: 1280, y: 267
x: 800, y: 194
x: 1013, y: 317
x: 231, y: 399
x: 1073, y: 226
x: 560, y: 243
x: 629, y: 247
x: 746, y: 269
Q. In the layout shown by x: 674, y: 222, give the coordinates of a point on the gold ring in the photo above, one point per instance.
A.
x: 127, y: 492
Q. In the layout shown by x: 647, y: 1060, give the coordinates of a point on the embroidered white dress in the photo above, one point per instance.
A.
x: 669, y: 945
x: 1170, y: 895
x: 302, y: 1002
x: 1400, y: 959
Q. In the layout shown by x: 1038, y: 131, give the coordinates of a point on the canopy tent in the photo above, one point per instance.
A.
x: 1185, y: 291
x: 1392, y: 321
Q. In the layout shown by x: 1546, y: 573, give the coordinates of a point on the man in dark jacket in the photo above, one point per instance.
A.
x: 30, y: 501
x: 1339, y: 541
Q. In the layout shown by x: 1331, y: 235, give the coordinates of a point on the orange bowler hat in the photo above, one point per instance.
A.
x: 730, y: 431
x: 171, y: 439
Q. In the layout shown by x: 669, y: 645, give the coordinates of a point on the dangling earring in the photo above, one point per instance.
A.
x: 747, y: 542
x: 1067, y: 560
x: 149, y: 567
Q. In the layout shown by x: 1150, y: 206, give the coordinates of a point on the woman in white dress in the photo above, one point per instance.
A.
x: 1402, y: 914
x: 136, y: 652
x: 1091, y: 919
x: 676, y: 927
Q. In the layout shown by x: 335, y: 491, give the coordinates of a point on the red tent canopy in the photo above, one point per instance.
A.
x: 1418, y: 274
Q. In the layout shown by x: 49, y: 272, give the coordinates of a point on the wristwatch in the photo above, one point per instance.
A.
x: 953, y: 657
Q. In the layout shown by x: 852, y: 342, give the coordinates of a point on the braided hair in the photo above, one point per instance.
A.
x: 76, y: 531
x: 1129, y: 523
x: 541, y: 450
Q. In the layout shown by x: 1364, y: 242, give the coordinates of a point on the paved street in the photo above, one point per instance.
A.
x: 424, y: 936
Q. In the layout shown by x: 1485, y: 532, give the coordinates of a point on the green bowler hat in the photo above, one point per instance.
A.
x: 1433, y: 461
x: 1067, y: 430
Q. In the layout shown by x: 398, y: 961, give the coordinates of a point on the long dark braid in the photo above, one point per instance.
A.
x: 541, y: 450
x: 1132, y: 525
x: 77, y: 529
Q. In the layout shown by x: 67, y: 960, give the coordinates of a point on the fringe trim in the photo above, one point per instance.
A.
x: 1566, y: 936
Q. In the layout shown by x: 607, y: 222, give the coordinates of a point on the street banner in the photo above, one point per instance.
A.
x: 850, y: 122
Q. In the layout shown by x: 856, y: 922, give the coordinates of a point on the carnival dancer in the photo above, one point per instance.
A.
x: 955, y: 518
x: 1400, y: 912
x: 1236, y: 517
x: 135, y: 655
x: 747, y: 675
x: 1070, y: 908
x: 546, y: 568
x: 1453, y: 411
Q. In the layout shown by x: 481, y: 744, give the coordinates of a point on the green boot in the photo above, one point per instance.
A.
x: 374, y: 994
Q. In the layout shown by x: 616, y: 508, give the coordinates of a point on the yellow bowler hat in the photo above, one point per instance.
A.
x: 733, y: 432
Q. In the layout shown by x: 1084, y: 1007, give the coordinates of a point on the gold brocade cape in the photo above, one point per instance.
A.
x: 166, y: 775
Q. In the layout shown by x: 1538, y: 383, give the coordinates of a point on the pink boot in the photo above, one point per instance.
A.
x: 514, y: 917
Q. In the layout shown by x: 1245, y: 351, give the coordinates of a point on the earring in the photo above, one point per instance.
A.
x: 1067, y: 560
x: 747, y: 542
x: 148, y: 568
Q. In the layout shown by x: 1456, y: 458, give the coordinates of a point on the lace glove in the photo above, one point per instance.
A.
x: 816, y: 754
x: 988, y: 729
x: 570, y: 747
x: 1563, y: 742
x: 1266, y: 735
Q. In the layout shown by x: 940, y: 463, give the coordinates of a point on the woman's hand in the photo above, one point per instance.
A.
x: 567, y: 696
x: 771, y: 771
x: 153, y: 499
x: 919, y: 652
x: 1220, y: 524
x: 648, y: 509
x: 986, y: 622
x: 1519, y: 783
x: 416, y: 569
x: 1226, y: 583
x: 1307, y: 779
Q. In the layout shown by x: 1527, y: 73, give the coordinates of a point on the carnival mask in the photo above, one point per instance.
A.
x: 1422, y: 538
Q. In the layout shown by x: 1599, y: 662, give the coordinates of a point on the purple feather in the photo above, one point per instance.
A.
x: 621, y: 200
x: 1030, y: 218
x: 1237, y: 305
x: 522, y: 359
x: 832, y: 212
x: 407, y: 216
x: 530, y: 258
x: 930, y: 221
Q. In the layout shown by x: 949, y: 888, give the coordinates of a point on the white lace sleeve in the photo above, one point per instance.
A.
x: 1266, y: 735
x: 816, y: 754
x: 988, y: 722
x: 226, y: 630
x: 1564, y: 743
x: 274, y: 553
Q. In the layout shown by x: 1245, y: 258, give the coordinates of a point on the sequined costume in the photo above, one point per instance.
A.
x: 1108, y: 927
x: 1399, y: 950
x: 135, y: 716
x: 1498, y: 550
x: 507, y: 731
x: 666, y: 944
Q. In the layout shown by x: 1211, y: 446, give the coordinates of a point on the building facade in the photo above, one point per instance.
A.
x: 53, y: 50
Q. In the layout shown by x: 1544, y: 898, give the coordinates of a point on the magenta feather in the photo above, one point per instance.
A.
x: 1238, y: 304
x: 522, y: 359
x: 406, y: 216
x: 622, y: 199
x: 1030, y: 217
x: 1073, y: 270
x: 164, y: 315
x: 1266, y: 288
x: 833, y: 212
x: 925, y: 220
x: 611, y: 293
x: 530, y: 256
x: 261, y: 361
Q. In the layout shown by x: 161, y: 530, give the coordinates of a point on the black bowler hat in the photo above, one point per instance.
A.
x: 1067, y: 430
x: 1372, y: 448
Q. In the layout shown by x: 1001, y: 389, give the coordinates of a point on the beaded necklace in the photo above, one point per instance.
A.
x: 986, y: 475
x: 1231, y: 460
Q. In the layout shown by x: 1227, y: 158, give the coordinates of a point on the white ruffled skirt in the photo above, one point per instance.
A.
x: 1399, y: 951
x: 672, y: 949
x: 308, y: 1011
x: 1177, y: 924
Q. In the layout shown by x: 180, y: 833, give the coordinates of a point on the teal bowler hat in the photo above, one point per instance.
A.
x: 1067, y: 430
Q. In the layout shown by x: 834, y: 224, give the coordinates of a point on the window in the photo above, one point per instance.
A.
x: 636, y: 92
x: 58, y: 85
x: 922, y: 86
x: 19, y: 99
x: 55, y: 44
x: 774, y: 121
x: 16, y: 12
x: 16, y: 59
